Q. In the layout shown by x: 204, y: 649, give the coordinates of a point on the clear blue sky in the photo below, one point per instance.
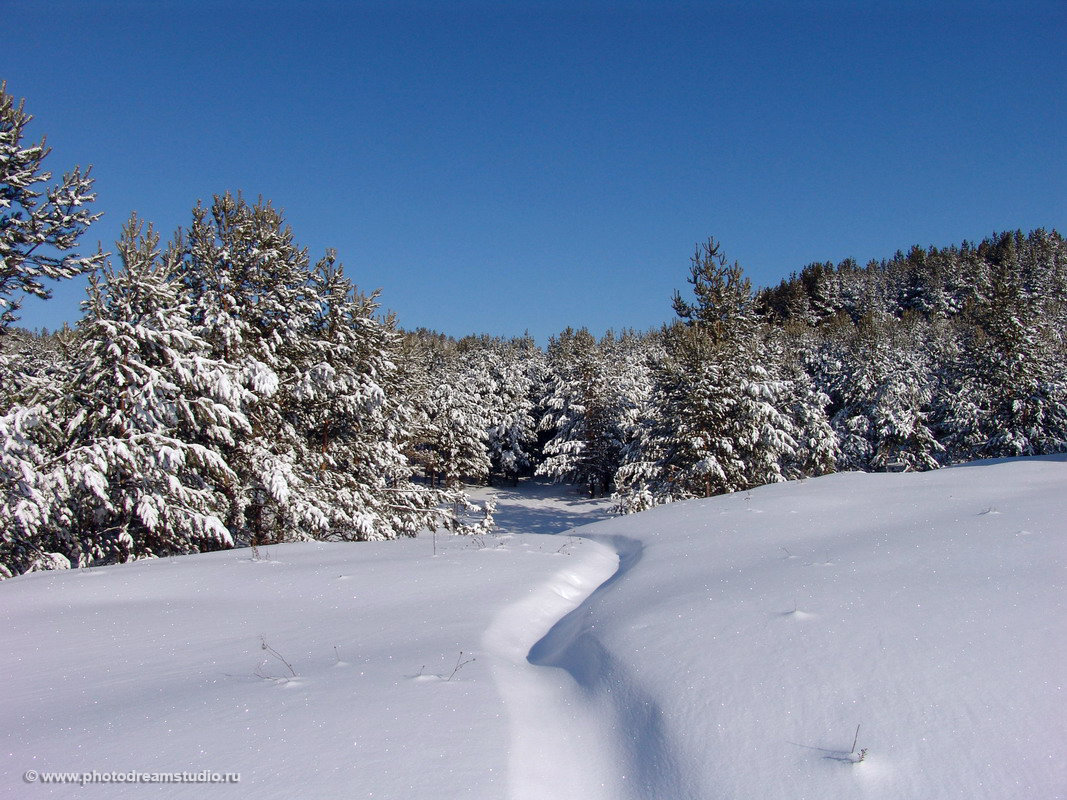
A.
x: 510, y: 166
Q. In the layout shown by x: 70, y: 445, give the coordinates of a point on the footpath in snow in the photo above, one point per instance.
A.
x: 723, y: 648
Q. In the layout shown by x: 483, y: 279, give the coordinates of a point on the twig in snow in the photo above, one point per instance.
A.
x: 855, y: 757
x: 264, y: 646
x: 459, y: 664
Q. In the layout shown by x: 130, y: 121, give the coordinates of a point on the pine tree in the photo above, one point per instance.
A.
x: 39, y: 227
x: 722, y: 419
x: 28, y: 440
x: 1008, y: 394
x: 516, y: 371
x: 325, y: 458
x: 136, y: 481
x: 455, y: 422
x: 249, y: 286
x: 582, y: 413
x: 817, y: 446
x: 884, y: 385
x: 356, y: 425
x: 448, y: 391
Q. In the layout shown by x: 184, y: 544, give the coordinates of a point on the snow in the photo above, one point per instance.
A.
x: 726, y: 647
x: 769, y: 624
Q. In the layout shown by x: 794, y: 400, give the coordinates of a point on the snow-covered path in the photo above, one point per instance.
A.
x: 558, y: 749
x: 581, y: 727
x: 381, y: 686
x: 640, y: 758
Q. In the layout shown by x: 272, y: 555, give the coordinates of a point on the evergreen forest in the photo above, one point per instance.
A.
x: 223, y: 389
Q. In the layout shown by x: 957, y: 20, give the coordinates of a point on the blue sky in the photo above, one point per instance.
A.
x: 503, y: 167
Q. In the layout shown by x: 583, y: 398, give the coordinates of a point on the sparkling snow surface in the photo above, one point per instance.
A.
x: 724, y: 648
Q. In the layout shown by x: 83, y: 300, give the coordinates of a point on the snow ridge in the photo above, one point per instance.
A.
x: 557, y: 750
x: 628, y: 712
x: 582, y: 725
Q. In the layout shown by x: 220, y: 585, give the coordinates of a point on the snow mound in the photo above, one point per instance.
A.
x: 768, y: 625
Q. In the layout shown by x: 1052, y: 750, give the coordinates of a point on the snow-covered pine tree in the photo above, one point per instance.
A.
x: 631, y: 358
x: 249, y: 286
x: 415, y: 353
x: 722, y: 418
x: 449, y: 392
x: 518, y: 373
x: 513, y: 373
x: 582, y: 411
x: 353, y: 416
x: 39, y: 227
x: 458, y: 414
x: 884, y: 385
x: 31, y: 386
x: 324, y: 458
x: 679, y: 452
x: 817, y: 445
x: 132, y: 479
x: 1007, y: 395
x: 29, y: 438
x: 39, y: 230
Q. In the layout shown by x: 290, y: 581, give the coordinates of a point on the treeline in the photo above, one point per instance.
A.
x: 221, y: 389
x: 929, y: 359
x: 938, y: 356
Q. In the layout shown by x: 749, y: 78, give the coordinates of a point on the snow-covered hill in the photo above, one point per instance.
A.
x: 725, y: 648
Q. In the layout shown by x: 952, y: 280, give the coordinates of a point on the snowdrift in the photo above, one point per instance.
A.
x: 925, y: 608
x: 724, y: 648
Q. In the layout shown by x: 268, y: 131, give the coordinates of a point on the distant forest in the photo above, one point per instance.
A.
x: 222, y: 389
